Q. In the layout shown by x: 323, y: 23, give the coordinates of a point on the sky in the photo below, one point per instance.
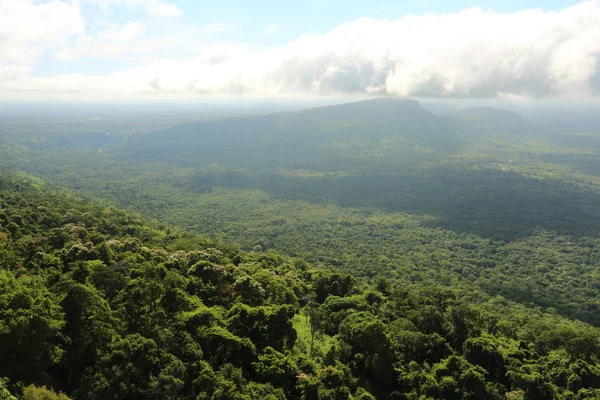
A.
x: 88, y: 49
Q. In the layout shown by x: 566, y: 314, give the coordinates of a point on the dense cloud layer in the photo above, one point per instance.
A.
x: 473, y: 53
x: 153, y: 7
x: 28, y: 29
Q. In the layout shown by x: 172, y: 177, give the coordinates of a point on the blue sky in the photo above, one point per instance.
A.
x: 317, y: 16
x: 248, y: 19
x: 270, y: 48
x: 266, y: 22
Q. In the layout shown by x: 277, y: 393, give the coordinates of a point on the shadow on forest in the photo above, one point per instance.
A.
x: 498, y: 204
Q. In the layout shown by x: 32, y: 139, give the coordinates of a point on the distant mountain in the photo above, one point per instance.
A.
x: 439, y: 107
x: 394, y: 132
x: 342, y: 132
x: 382, y: 109
x: 478, y: 122
x: 567, y: 119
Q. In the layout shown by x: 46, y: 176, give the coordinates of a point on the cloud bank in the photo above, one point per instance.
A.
x: 472, y: 53
x: 28, y: 29
x: 153, y: 7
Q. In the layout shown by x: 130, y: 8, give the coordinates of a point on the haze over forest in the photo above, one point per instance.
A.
x: 317, y: 201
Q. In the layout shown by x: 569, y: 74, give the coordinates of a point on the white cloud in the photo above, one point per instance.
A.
x: 473, y: 53
x: 216, y: 27
x: 128, y: 31
x: 28, y: 29
x: 115, y: 41
x: 153, y: 7
x: 271, y: 30
x: 159, y: 7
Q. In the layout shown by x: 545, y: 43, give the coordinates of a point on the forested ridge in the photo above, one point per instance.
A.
x: 480, y: 199
x: 367, y: 250
x: 96, y: 303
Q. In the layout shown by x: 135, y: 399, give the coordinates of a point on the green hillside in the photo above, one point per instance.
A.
x: 324, y: 138
x: 480, y: 122
x: 98, y: 304
x: 364, y: 187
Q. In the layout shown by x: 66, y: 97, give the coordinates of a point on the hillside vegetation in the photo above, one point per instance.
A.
x: 480, y: 199
x: 98, y: 304
x: 359, y: 251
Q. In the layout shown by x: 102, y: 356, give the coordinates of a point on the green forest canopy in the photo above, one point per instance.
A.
x: 352, y: 257
x: 96, y: 303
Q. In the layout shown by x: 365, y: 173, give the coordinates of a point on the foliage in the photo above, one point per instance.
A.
x: 426, y: 257
x: 102, y: 305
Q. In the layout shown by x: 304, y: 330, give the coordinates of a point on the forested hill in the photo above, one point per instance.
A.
x: 304, y: 139
x: 293, y: 136
x: 477, y: 122
x: 95, y: 303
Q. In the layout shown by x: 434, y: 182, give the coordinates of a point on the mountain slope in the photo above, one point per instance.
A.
x: 296, y: 139
x: 96, y: 303
x: 479, y: 122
